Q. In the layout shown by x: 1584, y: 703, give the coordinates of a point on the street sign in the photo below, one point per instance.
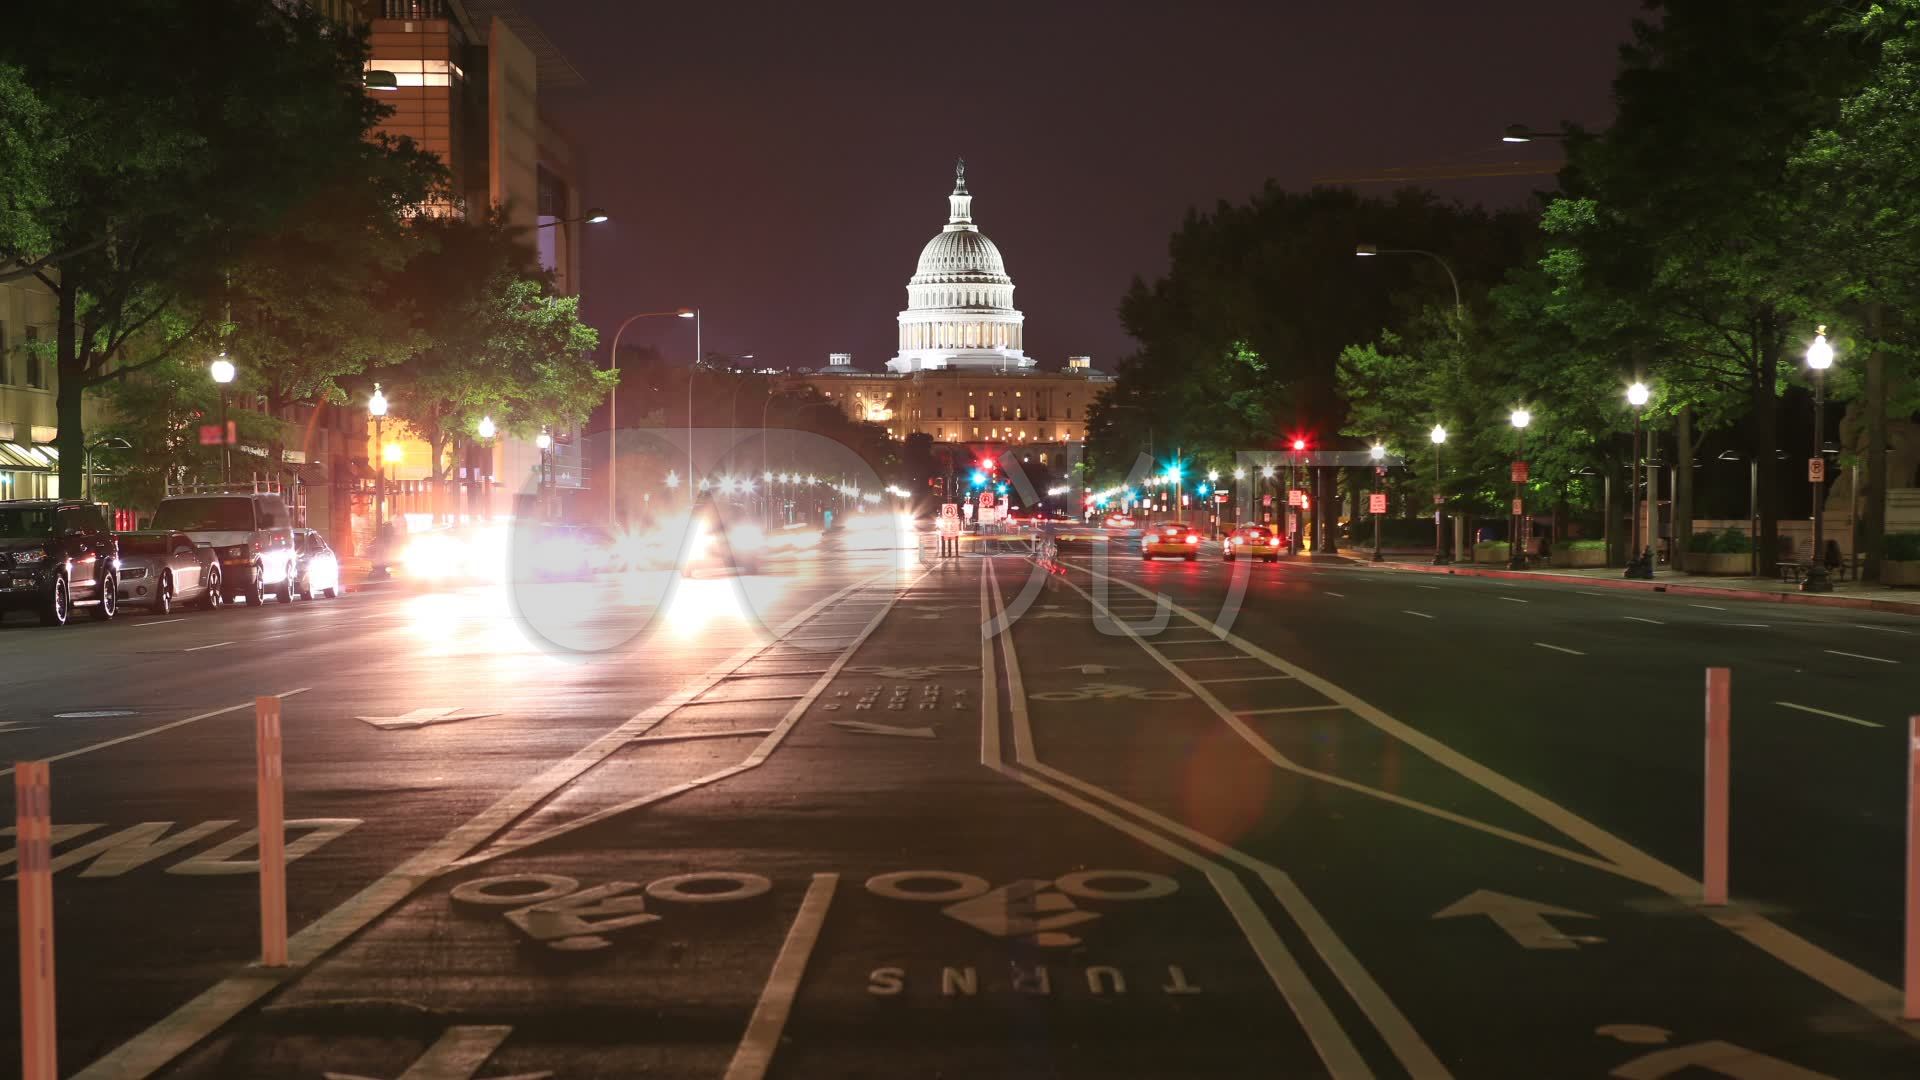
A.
x: 1296, y: 497
x: 1377, y: 502
x: 986, y: 500
x: 1219, y: 496
x: 1519, y: 473
x: 1267, y: 499
x: 210, y: 433
x: 1439, y: 499
x: 1517, y: 507
x: 1816, y: 469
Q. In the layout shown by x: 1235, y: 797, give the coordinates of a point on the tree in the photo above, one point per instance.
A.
x: 28, y: 154
x: 166, y: 168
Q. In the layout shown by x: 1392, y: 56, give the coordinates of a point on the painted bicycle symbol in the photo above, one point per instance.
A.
x: 1110, y: 692
x: 926, y: 672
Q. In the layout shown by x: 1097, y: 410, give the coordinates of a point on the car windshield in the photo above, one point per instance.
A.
x: 212, y: 514
x: 26, y: 521
x: 137, y: 544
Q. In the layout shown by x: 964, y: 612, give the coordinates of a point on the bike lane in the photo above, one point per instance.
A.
x: 868, y: 898
x: 1509, y: 945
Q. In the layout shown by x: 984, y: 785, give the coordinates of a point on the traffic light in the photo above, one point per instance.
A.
x: 1203, y: 489
x: 979, y: 479
x: 1299, y: 445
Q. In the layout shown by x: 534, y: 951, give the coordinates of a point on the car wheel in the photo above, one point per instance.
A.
x: 1192, y: 557
x: 1228, y: 557
x: 286, y: 590
x: 163, y: 598
x: 1144, y: 557
x: 213, y: 595
x: 330, y: 592
x: 109, y: 603
x: 256, y: 592
x: 306, y: 590
x: 55, y: 611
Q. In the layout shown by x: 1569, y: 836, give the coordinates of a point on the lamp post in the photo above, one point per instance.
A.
x: 111, y: 442
x: 1639, y: 563
x: 1379, y: 455
x: 486, y: 430
x: 223, y: 371
x: 1439, y: 437
x: 1369, y: 250
x: 694, y: 314
x: 1516, y: 551
x: 392, y: 455
x: 613, y: 399
x: 1294, y: 523
x: 545, y: 442
x: 1819, y: 358
x: 376, y: 408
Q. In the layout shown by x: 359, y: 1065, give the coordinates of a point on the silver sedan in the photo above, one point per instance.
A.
x: 160, y: 569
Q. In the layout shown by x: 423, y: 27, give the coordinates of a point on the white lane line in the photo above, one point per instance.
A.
x: 1823, y: 712
x: 1435, y: 588
x: 1323, y: 1029
x: 1515, y: 600
x: 1188, y: 641
x: 1636, y: 618
x: 1422, y: 614
x: 1290, y: 709
x: 1186, y: 659
x: 1882, y: 629
x: 1250, y: 678
x: 151, y: 1050
x: 1849, y: 981
x: 1754, y: 625
x: 1560, y: 648
x: 755, y: 1052
x: 1590, y: 592
x: 215, y: 645
x: 161, y: 622
x: 1330, y: 592
x: 1708, y: 607
x: 1860, y: 656
x: 157, y: 730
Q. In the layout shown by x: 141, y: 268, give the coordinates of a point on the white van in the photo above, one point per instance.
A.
x: 251, y: 532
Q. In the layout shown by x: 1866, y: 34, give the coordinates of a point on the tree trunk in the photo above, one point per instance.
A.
x: 1873, y: 484
x: 71, y: 370
x: 1765, y: 407
x: 1683, y: 478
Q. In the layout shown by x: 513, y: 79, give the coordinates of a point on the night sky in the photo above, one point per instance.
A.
x: 781, y: 164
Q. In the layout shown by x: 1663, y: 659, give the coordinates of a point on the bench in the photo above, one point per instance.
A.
x: 1794, y: 572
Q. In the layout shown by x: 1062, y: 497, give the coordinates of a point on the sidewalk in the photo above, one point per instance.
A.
x: 1849, y: 594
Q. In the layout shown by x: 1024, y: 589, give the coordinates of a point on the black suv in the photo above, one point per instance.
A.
x: 56, y: 555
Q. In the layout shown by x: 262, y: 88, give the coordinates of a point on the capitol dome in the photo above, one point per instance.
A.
x: 960, y: 311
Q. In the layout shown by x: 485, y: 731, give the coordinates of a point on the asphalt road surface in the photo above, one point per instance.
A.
x: 1165, y: 819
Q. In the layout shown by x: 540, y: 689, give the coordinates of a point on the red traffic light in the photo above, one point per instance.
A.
x: 1299, y: 444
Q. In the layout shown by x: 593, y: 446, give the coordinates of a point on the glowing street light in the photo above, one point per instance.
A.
x: 485, y: 428
x: 223, y: 371
x: 1439, y: 437
x: 673, y: 480
x: 1639, y: 564
x: 543, y: 440
x: 1819, y: 359
x: 394, y: 454
x: 1516, y: 549
x: 1379, y: 455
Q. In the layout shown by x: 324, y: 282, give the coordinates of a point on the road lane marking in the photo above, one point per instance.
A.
x: 1590, y: 592
x: 1709, y: 607
x: 1833, y: 715
x: 152, y: 1049
x: 1754, y: 625
x: 157, y: 730
x: 1515, y: 600
x: 1882, y: 629
x: 1192, y: 641
x: 1618, y: 856
x: 1560, y: 648
x: 1330, y: 592
x: 1291, y: 709
x: 215, y: 645
x: 1435, y: 588
x: 1859, y: 656
x: 1211, y: 659
x: 1636, y: 618
x: 161, y: 622
x: 1323, y: 1029
x: 1422, y: 614
x: 755, y: 1052
x: 1249, y: 678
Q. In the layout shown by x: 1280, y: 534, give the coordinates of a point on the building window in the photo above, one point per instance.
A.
x: 1069, y: 412
x: 1019, y: 414
x: 35, y: 366
x: 973, y: 411
x: 1043, y: 459
x: 939, y: 411
x: 976, y: 431
x: 6, y: 366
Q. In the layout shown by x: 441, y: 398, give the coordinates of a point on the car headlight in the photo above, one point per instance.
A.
x: 29, y: 558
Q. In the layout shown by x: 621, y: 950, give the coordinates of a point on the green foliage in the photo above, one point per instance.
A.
x: 1903, y: 547
x: 1580, y: 545
x: 1724, y: 542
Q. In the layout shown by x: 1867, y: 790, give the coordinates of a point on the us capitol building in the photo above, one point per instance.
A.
x: 961, y: 375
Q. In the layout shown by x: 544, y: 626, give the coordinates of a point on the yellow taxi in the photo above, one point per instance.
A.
x: 1253, y: 541
x: 1170, y: 538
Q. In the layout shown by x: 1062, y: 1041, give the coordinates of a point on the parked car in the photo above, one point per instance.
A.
x: 317, y: 571
x: 161, y: 569
x: 56, y: 555
x: 250, y: 531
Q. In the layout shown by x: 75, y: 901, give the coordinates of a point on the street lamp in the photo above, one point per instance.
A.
x: 1639, y: 564
x: 694, y: 314
x: 1439, y: 437
x: 376, y: 408
x: 1516, y: 550
x: 613, y: 399
x: 1369, y: 250
x: 1379, y: 455
x: 1521, y: 133
x: 111, y: 442
x: 544, y: 441
x: 1819, y: 358
x: 592, y: 217
x: 223, y: 371
x: 392, y: 454
x: 486, y: 429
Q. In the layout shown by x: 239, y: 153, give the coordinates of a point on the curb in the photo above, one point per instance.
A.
x: 1898, y: 607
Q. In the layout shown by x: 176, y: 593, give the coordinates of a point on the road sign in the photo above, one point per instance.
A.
x: 1219, y: 496
x: 986, y: 500
x: 1266, y: 500
x: 1377, y: 502
x: 210, y: 433
x: 1296, y: 497
x: 1518, y: 507
x: 1816, y: 469
x: 1519, y: 472
x: 1439, y: 499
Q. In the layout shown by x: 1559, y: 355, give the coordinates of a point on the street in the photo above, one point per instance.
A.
x: 1163, y: 819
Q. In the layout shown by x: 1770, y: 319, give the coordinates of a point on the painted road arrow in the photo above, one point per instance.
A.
x: 1525, y: 921
x: 458, y: 1055
x: 861, y: 727
x: 423, y: 717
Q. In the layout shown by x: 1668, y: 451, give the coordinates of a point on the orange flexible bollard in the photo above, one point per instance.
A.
x: 33, y: 812
x: 273, y: 834
x: 1713, y: 878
